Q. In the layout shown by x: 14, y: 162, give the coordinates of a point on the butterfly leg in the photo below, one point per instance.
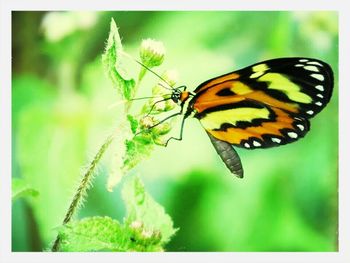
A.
x: 154, y: 104
x: 160, y: 122
x: 181, y: 132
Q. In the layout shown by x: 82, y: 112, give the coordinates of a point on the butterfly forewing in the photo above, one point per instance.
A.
x: 264, y: 105
x: 306, y: 83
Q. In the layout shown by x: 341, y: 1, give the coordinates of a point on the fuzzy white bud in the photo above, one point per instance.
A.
x: 152, y: 52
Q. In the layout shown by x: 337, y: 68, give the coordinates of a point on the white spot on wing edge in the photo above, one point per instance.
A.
x: 318, y: 103
x: 310, y: 112
x: 299, y: 65
x: 318, y: 76
x: 319, y: 87
x: 314, y: 63
x: 276, y: 140
x: 246, y: 145
x: 256, y: 143
x: 303, y: 60
x: 311, y: 68
x: 301, y: 127
x: 320, y: 96
x: 292, y: 135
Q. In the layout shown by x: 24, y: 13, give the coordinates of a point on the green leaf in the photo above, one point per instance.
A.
x: 137, y: 149
x: 133, y: 123
x: 106, y: 234
x: 112, y: 59
x: 141, y: 207
x: 92, y: 234
x: 21, y: 189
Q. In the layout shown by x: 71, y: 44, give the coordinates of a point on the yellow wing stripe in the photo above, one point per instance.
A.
x: 213, y: 120
x: 279, y: 82
x: 263, y: 97
x: 240, y: 88
x: 259, y: 70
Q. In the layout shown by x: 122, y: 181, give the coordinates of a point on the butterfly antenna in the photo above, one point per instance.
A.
x: 125, y: 101
x: 155, y: 73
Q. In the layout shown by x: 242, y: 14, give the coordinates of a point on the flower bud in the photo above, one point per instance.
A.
x: 136, y: 225
x: 162, y: 129
x: 152, y: 52
x: 159, y: 90
x: 158, y: 105
x: 147, y: 122
x: 171, y: 77
x: 161, y: 141
x: 169, y: 105
x: 147, y: 234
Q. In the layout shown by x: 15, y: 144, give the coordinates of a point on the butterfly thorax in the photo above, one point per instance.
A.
x: 185, y: 95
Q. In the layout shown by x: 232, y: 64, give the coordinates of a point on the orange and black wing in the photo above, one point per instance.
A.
x: 264, y: 105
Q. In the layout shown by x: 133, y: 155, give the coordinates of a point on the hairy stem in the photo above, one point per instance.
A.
x: 83, y: 186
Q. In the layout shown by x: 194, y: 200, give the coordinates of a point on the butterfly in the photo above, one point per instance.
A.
x: 264, y: 105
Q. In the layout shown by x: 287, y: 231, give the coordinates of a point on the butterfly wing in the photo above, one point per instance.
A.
x: 266, y: 104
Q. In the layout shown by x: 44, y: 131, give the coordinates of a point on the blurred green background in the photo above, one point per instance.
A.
x: 61, y: 114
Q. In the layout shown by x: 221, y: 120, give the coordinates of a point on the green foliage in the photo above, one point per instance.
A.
x: 141, y: 207
x: 45, y: 131
x: 21, y: 189
x: 137, y: 149
x: 112, y: 59
x: 91, y: 234
x: 146, y: 226
x: 141, y: 144
x: 133, y: 123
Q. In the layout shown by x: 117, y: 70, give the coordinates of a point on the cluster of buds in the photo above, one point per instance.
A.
x: 157, y: 130
x: 147, y: 126
x: 143, y: 236
x: 157, y: 105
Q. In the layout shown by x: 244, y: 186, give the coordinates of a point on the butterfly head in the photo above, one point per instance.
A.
x: 180, y: 95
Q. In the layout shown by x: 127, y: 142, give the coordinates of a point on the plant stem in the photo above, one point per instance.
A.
x: 88, y: 176
x: 142, y: 73
x: 83, y: 187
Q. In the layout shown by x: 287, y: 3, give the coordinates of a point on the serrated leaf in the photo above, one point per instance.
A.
x: 21, y: 189
x: 92, y: 234
x: 142, y: 207
x: 137, y: 149
x: 112, y: 59
x: 105, y: 234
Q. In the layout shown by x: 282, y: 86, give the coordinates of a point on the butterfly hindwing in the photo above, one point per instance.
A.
x: 251, y: 124
x: 266, y: 104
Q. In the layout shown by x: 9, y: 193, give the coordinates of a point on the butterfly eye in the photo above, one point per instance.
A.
x: 175, y: 97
